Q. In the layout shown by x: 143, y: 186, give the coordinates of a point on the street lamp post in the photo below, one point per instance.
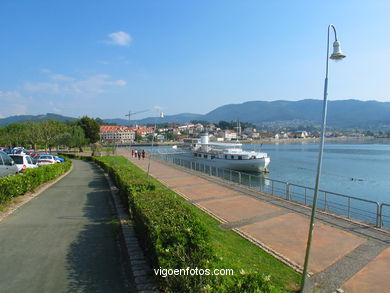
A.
x: 336, y: 55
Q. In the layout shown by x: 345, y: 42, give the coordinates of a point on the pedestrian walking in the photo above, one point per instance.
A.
x: 143, y: 154
x: 139, y: 155
x: 132, y: 153
x: 135, y: 153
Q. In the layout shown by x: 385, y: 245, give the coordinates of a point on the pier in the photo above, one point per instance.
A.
x: 346, y: 254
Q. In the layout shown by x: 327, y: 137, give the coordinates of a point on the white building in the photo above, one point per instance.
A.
x: 117, y: 134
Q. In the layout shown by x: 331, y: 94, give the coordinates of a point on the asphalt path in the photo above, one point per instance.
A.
x: 64, y: 239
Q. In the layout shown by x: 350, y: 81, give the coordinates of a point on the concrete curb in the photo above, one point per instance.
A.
x: 141, y: 270
x: 25, y: 198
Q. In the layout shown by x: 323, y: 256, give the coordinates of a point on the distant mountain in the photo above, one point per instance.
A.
x: 341, y: 114
x: 179, y: 119
x: 34, y: 118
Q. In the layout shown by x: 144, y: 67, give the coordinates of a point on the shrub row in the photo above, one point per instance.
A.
x: 172, y: 236
x: 15, y: 185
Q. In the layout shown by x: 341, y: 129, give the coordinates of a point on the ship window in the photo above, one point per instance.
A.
x: 225, y: 156
x: 213, y: 157
x: 232, y: 157
x: 240, y: 157
x: 205, y: 156
x: 195, y: 154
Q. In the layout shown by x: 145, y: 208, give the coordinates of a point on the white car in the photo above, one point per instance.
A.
x: 20, y: 150
x: 45, y: 160
x: 7, y: 165
x: 23, y: 162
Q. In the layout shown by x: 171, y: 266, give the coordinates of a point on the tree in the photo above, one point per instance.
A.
x: 138, y: 137
x: 77, y: 137
x: 203, y: 122
x: 171, y: 136
x: 223, y: 125
x: 14, y: 135
x: 49, y: 130
x: 91, y: 128
x: 99, y: 120
x: 33, y: 134
x: 64, y: 139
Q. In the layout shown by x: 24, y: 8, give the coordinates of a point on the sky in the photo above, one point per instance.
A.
x: 106, y: 58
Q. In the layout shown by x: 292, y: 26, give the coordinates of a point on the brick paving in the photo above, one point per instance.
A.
x: 203, y: 191
x: 238, y: 208
x: 374, y: 277
x: 345, y: 254
x: 329, y: 244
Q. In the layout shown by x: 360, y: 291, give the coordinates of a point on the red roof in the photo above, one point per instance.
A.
x: 114, y: 128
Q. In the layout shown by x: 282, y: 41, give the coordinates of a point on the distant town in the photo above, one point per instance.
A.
x: 219, y: 132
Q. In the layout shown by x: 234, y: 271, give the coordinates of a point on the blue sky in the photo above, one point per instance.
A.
x: 104, y: 58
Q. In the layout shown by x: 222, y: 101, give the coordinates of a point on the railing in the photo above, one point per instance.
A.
x: 384, y: 217
x: 331, y: 202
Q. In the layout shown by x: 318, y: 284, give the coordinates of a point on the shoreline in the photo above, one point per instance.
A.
x: 270, y: 141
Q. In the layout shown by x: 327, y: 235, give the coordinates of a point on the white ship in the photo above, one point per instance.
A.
x: 227, y: 155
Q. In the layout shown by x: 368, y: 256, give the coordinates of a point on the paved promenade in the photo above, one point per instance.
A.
x: 63, y: 241
x: 346, y: 255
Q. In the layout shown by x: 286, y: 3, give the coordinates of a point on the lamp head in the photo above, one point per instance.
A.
x: 337, y: 53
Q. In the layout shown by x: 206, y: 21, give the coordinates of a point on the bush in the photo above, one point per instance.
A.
x: 15, y: 185
x: 172, y: 235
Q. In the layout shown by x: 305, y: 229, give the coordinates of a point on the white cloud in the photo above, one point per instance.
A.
x: 61, y: 77
x: 158, y: 108
x: 42, y: 87
x: 64, y: 85
x: 119, y: 39
x: 16, y: 103
x: 55, y: 108
x: 104, y: 62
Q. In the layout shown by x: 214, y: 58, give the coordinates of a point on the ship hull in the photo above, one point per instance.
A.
x: 254, y: 165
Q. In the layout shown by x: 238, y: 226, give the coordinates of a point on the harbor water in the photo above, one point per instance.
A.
x: 350, y: 168
x: 360, y: 170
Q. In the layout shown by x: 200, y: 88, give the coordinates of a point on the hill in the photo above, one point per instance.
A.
x: 179, y: 119
x: 34, y: 118
x: 341, y: 114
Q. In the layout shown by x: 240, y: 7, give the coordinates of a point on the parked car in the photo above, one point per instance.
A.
x: 34, y: 154
x: 45, y: 160
x: 23, y: 162
x: 20, y: 150
x: 8, y: 151
x: 59, y: 159
x: 7, y: 165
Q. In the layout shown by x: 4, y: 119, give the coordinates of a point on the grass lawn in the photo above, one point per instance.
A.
x: 235, y: 252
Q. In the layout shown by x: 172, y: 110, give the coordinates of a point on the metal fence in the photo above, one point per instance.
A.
x: 384, y: 215
x: 348, y: 206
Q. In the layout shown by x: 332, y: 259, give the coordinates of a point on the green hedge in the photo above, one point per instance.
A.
x: 15, y: 185
x: 169, y: 232
x: 172, y: 235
